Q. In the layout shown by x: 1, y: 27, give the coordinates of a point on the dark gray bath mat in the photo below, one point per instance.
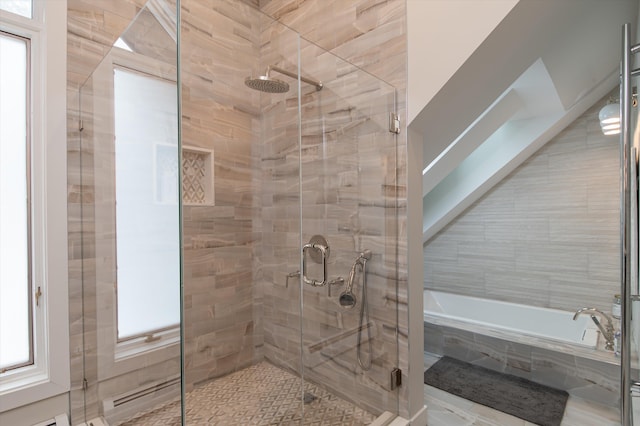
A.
x: 513, y: 395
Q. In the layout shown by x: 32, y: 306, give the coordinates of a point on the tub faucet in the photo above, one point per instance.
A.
x: 606, y: 331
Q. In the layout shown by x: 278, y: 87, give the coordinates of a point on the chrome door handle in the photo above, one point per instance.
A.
x: 323, y: 252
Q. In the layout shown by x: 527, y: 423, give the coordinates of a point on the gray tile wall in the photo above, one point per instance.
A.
x: 547, y: 235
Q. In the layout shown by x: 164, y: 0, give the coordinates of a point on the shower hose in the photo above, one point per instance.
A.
x: 364, y: 313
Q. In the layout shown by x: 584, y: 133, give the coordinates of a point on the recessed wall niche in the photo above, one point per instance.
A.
x: 197, y: 177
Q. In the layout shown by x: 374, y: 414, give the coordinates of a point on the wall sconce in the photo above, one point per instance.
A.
x: 610, y: 114
x: 610, y: 118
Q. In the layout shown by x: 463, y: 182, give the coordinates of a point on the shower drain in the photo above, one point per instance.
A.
x: 309, y: 397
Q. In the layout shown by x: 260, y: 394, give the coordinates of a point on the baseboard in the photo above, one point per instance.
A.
x: 126, y: 405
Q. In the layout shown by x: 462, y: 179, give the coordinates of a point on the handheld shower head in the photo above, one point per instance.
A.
x: 347, y: 298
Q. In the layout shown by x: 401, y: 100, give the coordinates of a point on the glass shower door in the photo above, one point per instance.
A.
x: 126, y: 308
x: 348, y: 230
x: 629, y: 147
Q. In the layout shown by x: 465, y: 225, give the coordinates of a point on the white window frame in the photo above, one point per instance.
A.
x: 118, y: 358
x: 49, y: 375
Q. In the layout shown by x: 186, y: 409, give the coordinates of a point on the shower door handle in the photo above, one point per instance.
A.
x: 323, y: 255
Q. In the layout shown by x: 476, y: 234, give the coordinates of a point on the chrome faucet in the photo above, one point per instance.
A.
x: 606, y: 331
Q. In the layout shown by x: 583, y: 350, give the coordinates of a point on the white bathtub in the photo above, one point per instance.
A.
x: 510, y: 318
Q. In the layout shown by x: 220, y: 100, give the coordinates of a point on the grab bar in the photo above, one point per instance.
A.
x: 323, y: 252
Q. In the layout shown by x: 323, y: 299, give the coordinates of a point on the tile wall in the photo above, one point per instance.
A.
x: 219, y: 47
x: 547, y: 235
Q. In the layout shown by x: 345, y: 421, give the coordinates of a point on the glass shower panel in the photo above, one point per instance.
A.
x: 128, y: 173
x: 348, y: 197
x: 634, y: 260
x: 629, y: 345
x: 241, y: 334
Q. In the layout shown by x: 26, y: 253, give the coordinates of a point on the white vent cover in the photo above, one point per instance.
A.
x: 59, y: 420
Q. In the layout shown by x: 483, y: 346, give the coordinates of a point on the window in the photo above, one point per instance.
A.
x: 19, y: 7
x: 34, y: 338
x: 16, y: 343
x: 147, y: 222
x: 137, y: 194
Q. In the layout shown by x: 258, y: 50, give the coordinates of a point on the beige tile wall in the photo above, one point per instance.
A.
x: 547, y: 235
x: 219, y: 42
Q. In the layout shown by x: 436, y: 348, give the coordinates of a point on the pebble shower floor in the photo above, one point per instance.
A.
x: 261, y: 394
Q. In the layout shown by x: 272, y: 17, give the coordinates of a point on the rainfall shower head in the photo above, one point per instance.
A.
x: 267, y: 84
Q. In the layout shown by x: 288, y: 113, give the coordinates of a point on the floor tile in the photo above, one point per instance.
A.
x: 262, y: 394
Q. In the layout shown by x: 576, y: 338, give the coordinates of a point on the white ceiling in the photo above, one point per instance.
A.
x: 544, y: 64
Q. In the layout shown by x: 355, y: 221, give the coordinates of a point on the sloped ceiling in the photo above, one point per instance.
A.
x: 545, y: 64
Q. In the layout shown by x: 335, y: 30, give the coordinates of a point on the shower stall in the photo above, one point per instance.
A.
x: 239, y: 246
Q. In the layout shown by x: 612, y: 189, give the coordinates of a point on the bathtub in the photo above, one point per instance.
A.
x: 511, y: 318
x: 542, y: 345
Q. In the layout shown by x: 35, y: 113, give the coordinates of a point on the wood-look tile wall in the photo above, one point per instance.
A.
x: 547, y: 235
x: 219, y: 48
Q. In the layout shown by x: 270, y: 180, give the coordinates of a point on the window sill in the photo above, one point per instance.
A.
x: 27, y: 387
x: 140, y: 346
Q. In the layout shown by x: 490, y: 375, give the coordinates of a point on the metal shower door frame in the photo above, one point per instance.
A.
x: 628, y: 224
